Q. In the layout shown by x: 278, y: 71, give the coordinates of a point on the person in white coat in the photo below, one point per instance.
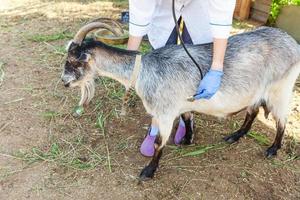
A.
x: 205, y: 21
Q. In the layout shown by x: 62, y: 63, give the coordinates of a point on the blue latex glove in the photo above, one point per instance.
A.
x: 209, y: 85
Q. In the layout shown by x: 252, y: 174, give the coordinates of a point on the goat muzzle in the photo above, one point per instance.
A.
x: 67, y: 79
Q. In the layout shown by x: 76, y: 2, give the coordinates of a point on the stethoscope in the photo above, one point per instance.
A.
x: 192, y: 98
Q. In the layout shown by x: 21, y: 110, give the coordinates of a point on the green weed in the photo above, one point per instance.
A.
x: 113, y: 88
x: 58, y: 50
x: 145, y: 47
x: 2, y: 74
x: 241, y: 25
x: 100, y: 122
x: 235, y: 124
x: 6, y: 172
x: 50, y: 38
x: 197, y: 150
x: 261, y: 139
x: 101, y: 118
x: 70, y: 154
x: 50, y: 114
x: 276, y: 7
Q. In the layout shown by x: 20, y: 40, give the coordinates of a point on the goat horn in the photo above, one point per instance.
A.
x: 115, y: 24
x: 80, y: 35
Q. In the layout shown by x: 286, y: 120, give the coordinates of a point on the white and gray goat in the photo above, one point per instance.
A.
x: 260, y: 70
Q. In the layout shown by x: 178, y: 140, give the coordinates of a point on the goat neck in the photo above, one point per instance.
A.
x: 115, y: 63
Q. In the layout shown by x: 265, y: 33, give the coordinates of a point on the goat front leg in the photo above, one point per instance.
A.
x: 165, y: 128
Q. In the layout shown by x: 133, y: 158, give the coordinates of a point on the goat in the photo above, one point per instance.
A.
x: 260, y: 69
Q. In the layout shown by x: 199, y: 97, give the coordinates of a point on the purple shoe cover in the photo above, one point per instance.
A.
x: 180, y: 133
x: 147, y: 148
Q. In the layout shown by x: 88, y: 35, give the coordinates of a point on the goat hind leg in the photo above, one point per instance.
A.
x: 189, y: 129
x: 280, y: 108
x: 165, y: 128
x: 250, y: 116
x: 280, y: 96
x: 272, y: 150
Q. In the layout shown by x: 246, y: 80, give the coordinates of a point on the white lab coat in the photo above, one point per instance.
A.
x: 204, y: 19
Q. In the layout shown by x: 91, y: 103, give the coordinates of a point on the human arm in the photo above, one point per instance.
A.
x: 134, y: 42
x: 219, y: 49
x: 221, y: 13
x: 140, y: 16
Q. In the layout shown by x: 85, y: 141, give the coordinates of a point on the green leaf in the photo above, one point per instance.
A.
x: 78, y: 111
x: 261, y: 139
x: 199, y: 151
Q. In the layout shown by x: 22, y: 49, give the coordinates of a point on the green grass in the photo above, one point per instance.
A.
x: 235, y: 124
x: 276, y: 7
x: 120, y: 3
x: 101, y: 118
x: 196, y: 150
x: 258, y: 137
x: 114, y: 90
x: 199, y: 150
x: 133, y: 99
x: 287, y: 163
x: 50, y: 37
x: 73, y: 154
x: 50, y: 114
x: 241, y: 25
x: 58, y: 50
x: 144, y: 48
x: 100, y: 121
x: 2, y: 74
x: 121, y: 46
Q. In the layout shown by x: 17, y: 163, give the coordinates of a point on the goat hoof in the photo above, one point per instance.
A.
x: 271, y: 152
x: 147, y: 173
x: 188, y: 138
x: 186, y: 141
x: 231, y: 138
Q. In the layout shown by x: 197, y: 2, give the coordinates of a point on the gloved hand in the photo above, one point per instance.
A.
x: 209, y: 85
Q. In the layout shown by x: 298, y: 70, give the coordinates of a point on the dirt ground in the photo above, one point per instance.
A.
x: 46, y: 153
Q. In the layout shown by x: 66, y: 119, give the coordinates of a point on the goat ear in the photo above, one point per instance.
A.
x: 84, y: 57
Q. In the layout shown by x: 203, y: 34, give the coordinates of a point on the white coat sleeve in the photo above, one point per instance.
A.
x: 221, y: 14
x: 140, y: 16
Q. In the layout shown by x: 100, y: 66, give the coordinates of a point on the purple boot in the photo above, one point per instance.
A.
x: 184, y: 135
x: 147, y: 148
x: 180, y: 132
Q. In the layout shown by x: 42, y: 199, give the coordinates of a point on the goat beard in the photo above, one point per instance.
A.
x: 87, y: 92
